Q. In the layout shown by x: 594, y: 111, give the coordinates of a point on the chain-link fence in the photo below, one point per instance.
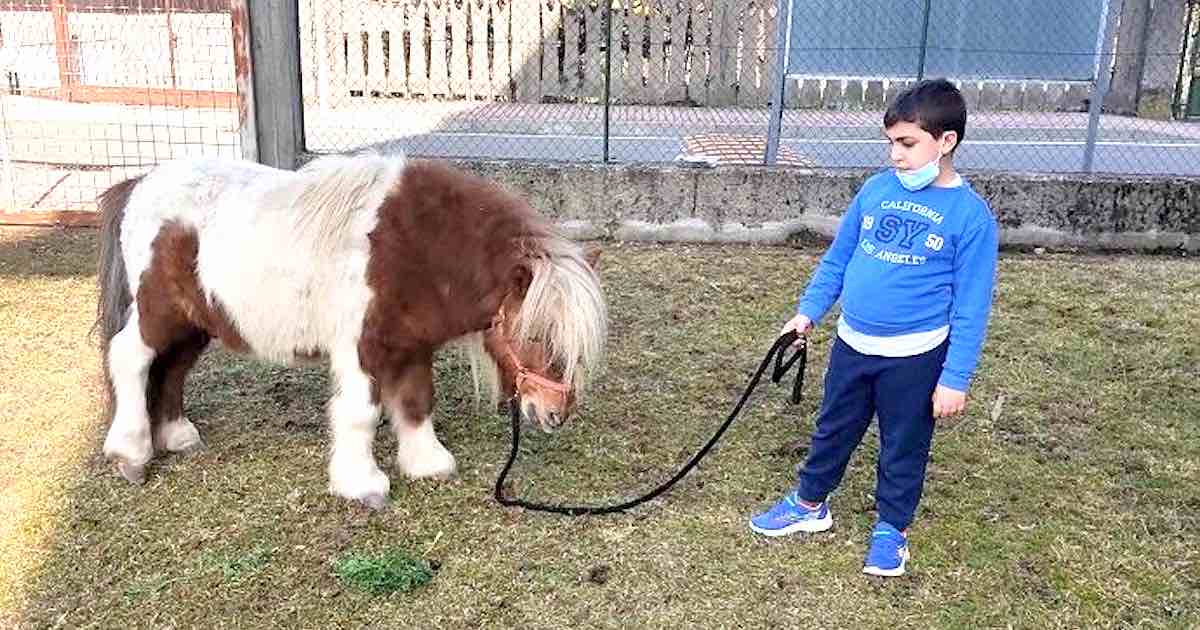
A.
x: 654, y: 80
x: 531, y: 79
x: 95, y: 91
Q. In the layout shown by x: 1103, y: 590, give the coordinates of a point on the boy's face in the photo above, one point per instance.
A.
x: 912, y: 147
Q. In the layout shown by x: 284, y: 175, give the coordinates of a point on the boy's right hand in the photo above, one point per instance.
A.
x: 801, y: 324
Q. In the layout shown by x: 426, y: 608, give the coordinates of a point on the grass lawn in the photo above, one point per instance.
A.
x: 1067, y: 496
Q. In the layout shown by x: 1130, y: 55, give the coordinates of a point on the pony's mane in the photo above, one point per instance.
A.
x: 334, y: 189
x: 563, y: 308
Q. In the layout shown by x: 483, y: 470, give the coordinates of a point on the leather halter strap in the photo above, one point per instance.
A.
x: 524, y: 374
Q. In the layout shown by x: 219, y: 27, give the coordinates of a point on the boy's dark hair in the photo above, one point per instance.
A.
x: 934, y: 105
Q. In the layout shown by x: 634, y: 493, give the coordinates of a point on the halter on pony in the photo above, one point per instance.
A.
x: 525, y: 375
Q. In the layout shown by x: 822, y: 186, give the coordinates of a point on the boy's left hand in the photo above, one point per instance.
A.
x: 948, y: 402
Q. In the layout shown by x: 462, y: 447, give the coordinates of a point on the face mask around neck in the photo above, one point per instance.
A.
x: 916, y: 179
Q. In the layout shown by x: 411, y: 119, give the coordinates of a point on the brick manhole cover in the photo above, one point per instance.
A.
x: 727, y: 148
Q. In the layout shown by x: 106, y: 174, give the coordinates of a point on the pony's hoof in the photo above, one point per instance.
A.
x: 448, y: 475
x: 370, y: 487
x: 190, y: 449
x: 376, y: 502
x: 133, y: 473
x: 177, y: 436
x: 438, y: 465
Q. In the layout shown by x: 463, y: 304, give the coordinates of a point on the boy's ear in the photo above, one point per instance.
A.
x: 949, y: 142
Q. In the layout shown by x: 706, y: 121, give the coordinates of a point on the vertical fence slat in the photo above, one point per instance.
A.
x: 480, y: 80
x: 526, y: 50
x: 502, y: 53
x: 439, y: 75
x: 723, y: 69
x: 340, y: 77
x: 459, y: 75
x: 551, y: 20
x: 355, y: 72
x: 397, y: 69
x: 831, y: 95
x: 418, y: 73
x: 309, y: 22
x: 656, y: 66
x: 327, y: 52
x: 754, y: 87
x: 571, y: 38
x: 376, y: 79
x: 698, y: 62
x: 620, y: 56
x: 593, y: 53
x: 637, y: 63
x: 676, y: 80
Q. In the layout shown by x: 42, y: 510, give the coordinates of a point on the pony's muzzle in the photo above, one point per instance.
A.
x: 547, y: 421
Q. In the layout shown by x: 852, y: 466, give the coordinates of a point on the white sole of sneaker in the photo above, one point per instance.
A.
x: 897, y: 572
x: 808, y: 527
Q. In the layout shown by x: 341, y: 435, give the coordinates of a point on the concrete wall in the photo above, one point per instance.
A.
x: 774, y: 205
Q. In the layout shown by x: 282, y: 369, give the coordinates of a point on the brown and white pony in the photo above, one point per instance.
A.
x: 370, y: 262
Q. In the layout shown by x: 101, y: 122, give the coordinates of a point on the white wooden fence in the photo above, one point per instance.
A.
x: 713, y: 53
x: 704, y: 52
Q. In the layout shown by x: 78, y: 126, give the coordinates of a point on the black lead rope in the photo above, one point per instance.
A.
x: 777, y: 351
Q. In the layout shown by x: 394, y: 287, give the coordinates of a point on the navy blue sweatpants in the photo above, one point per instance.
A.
x: 898, y: 390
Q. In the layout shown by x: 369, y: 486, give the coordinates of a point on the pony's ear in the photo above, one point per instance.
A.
x: 521, y: 276
x: 591, y: 254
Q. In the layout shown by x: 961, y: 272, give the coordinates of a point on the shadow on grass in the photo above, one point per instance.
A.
x: 37, y: 251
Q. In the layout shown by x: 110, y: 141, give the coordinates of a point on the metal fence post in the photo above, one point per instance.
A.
x: 607, y: 71
x: 783, y: 32
x: 267, y: 60
x: 1100, y: 85
x: 924, y: 40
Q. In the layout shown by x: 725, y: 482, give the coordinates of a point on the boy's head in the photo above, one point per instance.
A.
x: 926, y: 122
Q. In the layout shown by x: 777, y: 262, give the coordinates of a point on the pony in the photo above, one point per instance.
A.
x: 368, y: 262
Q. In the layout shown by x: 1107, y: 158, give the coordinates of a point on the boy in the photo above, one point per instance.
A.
x: 914, y: 264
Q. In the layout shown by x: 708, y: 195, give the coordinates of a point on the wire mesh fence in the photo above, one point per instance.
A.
x: 96, y: 90
x: 657, y: 80
x: 99, y: 90
x: 553, y: 80
x: 1154, y: 86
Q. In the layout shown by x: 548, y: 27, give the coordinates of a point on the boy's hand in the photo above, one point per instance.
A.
x: 948, y: 402
x: 801, y: 324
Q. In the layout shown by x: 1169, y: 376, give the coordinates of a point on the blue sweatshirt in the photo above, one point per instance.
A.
x: 907, y: 262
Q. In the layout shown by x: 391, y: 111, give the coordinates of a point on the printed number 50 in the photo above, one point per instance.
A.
x: 934, y: 242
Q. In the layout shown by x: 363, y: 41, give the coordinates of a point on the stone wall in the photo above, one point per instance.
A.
x: 774, y: 205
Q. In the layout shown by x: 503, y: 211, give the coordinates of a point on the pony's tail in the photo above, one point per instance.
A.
x: 112, y: 309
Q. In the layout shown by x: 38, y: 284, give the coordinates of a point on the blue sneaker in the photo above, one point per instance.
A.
x: 888, y: 552
x: 788, y: 516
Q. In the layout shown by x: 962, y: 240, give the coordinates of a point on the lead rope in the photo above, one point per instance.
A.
x: 777, y: 352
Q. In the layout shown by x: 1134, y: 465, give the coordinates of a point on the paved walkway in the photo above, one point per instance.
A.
x: 58, y: 156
